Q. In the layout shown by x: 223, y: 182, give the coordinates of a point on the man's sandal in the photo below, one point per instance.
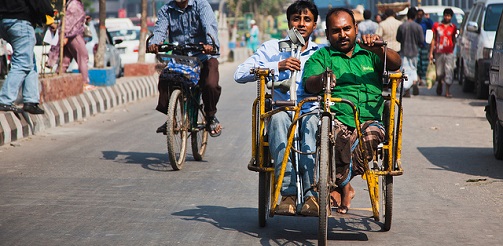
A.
x: 213, y: 126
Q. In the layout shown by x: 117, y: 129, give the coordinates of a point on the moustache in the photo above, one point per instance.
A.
x: 344, y: 40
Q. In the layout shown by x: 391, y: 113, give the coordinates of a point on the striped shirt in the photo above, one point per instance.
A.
x: 189, y: 25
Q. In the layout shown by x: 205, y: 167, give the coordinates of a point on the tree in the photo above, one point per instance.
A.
x: 143, y: 32
x: 99, y: 57
x: 259, y: 8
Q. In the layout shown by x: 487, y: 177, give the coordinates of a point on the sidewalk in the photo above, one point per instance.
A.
x: 15, y: 126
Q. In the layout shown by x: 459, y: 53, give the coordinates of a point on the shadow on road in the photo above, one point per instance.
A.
x: 281, y: 230
x: 472, y: 161
x: 149, y: 161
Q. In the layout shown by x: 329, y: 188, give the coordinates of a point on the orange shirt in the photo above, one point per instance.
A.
x: 445, y: 35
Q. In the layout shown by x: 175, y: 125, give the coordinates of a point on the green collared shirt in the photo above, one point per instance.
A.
x: 358, y: 79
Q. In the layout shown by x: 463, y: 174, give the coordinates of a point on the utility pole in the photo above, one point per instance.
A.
x: 62, y: 36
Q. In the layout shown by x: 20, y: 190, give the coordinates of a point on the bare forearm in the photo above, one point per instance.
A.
x: 314, y: 84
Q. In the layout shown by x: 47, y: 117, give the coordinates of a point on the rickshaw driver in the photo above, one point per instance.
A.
x: 357, y: 70
x: 302, y: 15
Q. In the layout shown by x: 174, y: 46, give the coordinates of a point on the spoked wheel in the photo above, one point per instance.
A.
x: 264, y: 193
x: 386, y: 198
x: 199, y: 135
x: 176, y: 133
x: 323, y: 191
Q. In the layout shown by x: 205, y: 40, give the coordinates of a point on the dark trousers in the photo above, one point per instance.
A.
x: 209, y: 85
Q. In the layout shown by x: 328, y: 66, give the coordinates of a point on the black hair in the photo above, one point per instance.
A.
x: 389, y: 12
x: 448, y: 11
x: 412, y: 13
x: 337, y: 10
x: 298, y: 6
x: 367, y: 14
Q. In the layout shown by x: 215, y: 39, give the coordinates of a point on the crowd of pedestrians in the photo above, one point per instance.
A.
x: 408, y: 37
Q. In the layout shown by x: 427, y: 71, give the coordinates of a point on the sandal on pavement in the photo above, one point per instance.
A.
x: 342, y: 209
x: 213, y: 126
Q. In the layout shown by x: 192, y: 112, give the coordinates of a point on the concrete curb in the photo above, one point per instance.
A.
x: 15, y: 126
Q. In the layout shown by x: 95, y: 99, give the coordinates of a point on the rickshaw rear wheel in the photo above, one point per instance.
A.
x: 386, y: 201
x: 176, y: 133
x: 264, y: 190
x: 323, y: 192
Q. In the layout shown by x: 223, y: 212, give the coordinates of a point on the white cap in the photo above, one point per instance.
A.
x: 252, y: 22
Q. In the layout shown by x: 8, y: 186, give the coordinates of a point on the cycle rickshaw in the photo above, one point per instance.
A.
x: 378, y: 173
x: 180, y: 72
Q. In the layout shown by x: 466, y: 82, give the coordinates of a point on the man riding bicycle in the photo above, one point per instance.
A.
x: 191, y: 21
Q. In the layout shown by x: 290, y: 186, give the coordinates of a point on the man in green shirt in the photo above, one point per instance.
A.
x: 357, y: 68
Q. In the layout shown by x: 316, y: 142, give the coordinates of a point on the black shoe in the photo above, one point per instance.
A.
x: 162, y: 129
x: 5, y: 107
x: 213, y: 126
x: 33, y: 108
x: 415, y: 90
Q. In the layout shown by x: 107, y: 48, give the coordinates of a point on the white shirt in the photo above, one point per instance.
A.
x: 268, y: 56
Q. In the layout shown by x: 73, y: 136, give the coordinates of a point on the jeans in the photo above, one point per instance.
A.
x: 278, y: 134
x: 21, y: 36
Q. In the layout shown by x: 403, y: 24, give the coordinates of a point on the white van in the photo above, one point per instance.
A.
x: 494, y: 109
x: 476, y: 45
x: 113, y: 24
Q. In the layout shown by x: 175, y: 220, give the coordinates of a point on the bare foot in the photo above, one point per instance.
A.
x: 335, y: 197
x: 348, y: 193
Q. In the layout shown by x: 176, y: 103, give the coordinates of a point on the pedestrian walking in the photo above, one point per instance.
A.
x: 422, y: 64
x: 74, y: 43
x: 410, y: 36
x: 387, y: 29
x: 367, y: 26
x: 17, y: 26
x: 442, y: 51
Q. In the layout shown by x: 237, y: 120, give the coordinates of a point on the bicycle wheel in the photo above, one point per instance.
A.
x: 386, y: 181
x: 264, y: 192
x: 199, y: 134
x: 386, y: 201
x: 323, y: 192
x: 176, y: 133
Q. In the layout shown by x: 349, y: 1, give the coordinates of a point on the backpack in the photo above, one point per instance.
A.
x: 40, y: 8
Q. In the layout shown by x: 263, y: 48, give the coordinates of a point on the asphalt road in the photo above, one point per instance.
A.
x: 107, y: 181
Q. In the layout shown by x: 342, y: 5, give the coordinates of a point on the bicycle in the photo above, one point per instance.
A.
x: 185, y: 114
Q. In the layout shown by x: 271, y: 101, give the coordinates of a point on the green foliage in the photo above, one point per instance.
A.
x: 261, y: 8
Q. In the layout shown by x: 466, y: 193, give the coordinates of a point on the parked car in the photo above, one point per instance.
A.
x: 494, y: 108
x: 112, y: 56
x: 128, y: 49
x: 118, y: 23
x: 476, y: 45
